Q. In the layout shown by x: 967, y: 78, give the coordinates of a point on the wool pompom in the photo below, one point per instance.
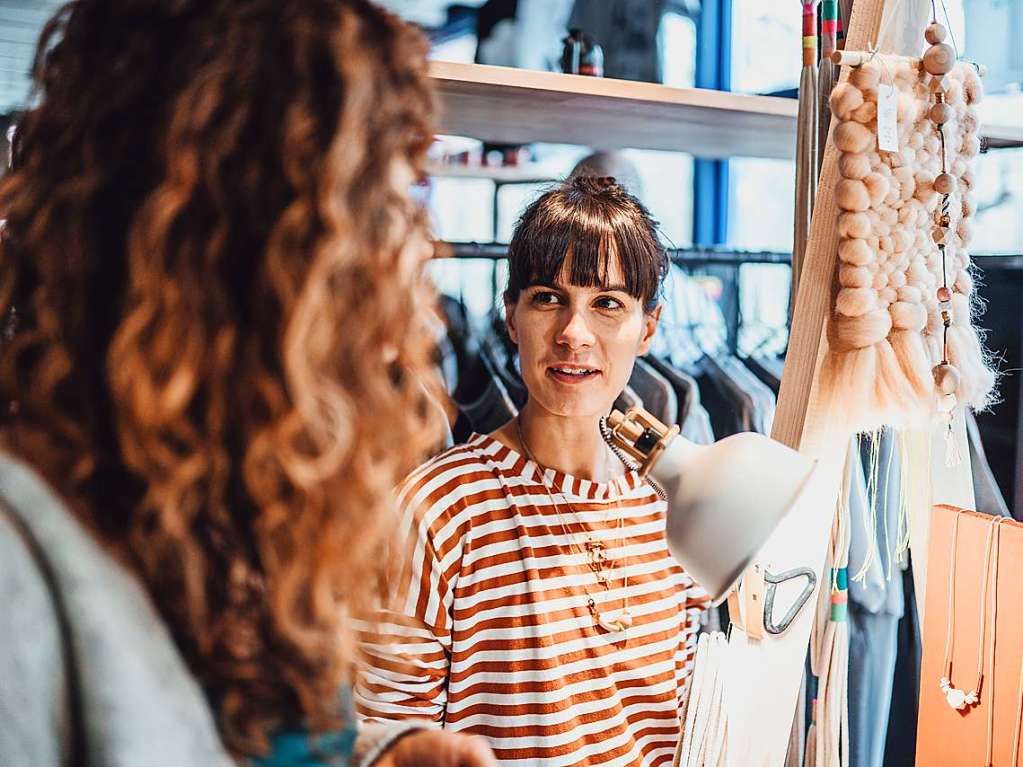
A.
x: 853, y: 225
x: 971, y: 146
x: 853, y: 302
x: 853, y: 166
x: 901, y: 239
x: 852, y: 195
x: 906, y: 316
x: 853, y: 137
x: 967, y: 180
x: 865, y: 330
x: 880, y: 281
x: 932, y: 144
x: 855, y: 252
x: 974, y: 90
x: 850, y: 276
x: 964, y: 282
x: 877, y: 188
x: 844, y: 99
x: 897, y: 279
x: 865, y: 77
x: 865, y: 113
x: 965, y: 353
x: 907, y: 109
x: 968, y: 123
x: 917, y: 270
x: 965, y: 232
x: 907, y: 183
x: 910, y: 295
x: 969, y: 205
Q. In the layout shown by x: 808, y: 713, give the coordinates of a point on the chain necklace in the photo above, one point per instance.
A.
x: 596, y: 556
x: 956, y: 698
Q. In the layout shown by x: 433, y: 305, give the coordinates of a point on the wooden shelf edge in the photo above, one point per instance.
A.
x: 455, y: 74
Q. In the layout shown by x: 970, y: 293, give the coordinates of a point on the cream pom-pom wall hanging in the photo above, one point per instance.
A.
x: 901, y: 340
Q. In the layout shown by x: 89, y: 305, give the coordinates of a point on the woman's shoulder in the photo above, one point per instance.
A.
x: 450, y: 480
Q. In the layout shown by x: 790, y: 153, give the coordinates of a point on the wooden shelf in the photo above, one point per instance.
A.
x: 506, y: 105
x: 520, y: 106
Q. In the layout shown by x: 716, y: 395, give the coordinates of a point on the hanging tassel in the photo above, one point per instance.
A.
x: 811, y: 737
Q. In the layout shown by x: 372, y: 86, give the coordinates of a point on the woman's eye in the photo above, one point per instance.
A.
x: 606, y: 302
x: 545, y: 298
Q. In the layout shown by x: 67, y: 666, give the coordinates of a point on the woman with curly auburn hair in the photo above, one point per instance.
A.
x: 216, y: 380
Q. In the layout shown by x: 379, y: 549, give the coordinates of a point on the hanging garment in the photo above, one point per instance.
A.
x: 767, y: 369
x: 658, y: 397
x: 736, y: 400
x: 764, y: 400
x: 693, y: 418
x: 900, y: 746
x: 876, y: 600
x: 483, y: 398
x: 987, y: 495
x: 691, y: 323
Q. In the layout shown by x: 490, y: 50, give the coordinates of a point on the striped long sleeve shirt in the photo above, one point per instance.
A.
x: 490, y: 632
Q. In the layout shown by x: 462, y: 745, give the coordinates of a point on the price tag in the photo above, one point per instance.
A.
x: 887, y: 118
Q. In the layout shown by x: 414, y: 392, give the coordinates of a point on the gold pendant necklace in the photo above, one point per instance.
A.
x: 595, y: 553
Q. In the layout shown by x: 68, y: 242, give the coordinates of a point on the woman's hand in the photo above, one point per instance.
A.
x: 438, y: 748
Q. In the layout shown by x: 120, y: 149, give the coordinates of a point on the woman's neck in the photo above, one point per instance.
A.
x: 570, y: 445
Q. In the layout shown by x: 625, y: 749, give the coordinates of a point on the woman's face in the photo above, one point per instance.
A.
x: 577, y: 345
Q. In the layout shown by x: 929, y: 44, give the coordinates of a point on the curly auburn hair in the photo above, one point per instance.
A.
x: 219, y: 363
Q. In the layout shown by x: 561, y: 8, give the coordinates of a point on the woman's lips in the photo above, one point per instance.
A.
x: 571, y: 375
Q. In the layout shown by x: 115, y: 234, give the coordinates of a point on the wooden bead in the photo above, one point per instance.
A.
x: 938, y: 235
x: 946, y: 378
x: 944, y: 294
x: 939, y: 59
x: 945, y: 183
x: 941, y: 113
x: 935, y: 33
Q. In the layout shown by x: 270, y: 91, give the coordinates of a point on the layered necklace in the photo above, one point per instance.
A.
x: 957, y: 698
x: 593, y: 550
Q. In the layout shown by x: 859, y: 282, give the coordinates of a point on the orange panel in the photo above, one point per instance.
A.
x: 946, y: 737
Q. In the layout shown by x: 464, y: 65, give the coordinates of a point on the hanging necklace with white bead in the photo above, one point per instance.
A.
x: 956, y: 698
x: 596, y: 557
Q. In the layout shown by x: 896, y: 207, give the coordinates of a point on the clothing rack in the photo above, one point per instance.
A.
x: 697, y: 257
x: 682, y: 256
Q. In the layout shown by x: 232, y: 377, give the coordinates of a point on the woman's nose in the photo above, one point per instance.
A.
x: 575, y: 333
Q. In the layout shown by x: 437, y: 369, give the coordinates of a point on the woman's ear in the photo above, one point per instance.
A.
x: 509, y: 321
x: 650, y: 320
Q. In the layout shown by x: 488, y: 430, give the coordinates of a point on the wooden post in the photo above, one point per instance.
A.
x: 765, y: 674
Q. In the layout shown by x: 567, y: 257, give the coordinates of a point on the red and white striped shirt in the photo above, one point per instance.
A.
x: 490, y: 631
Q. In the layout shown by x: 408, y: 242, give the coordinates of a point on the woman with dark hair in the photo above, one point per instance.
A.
x: 215, y: 382
x: 541, y: 607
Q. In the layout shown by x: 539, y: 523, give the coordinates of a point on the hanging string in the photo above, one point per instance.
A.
x: 905, y: 512
x: 997, y: 527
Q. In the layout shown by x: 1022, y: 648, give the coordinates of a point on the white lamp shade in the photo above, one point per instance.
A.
x: 724, y: 501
